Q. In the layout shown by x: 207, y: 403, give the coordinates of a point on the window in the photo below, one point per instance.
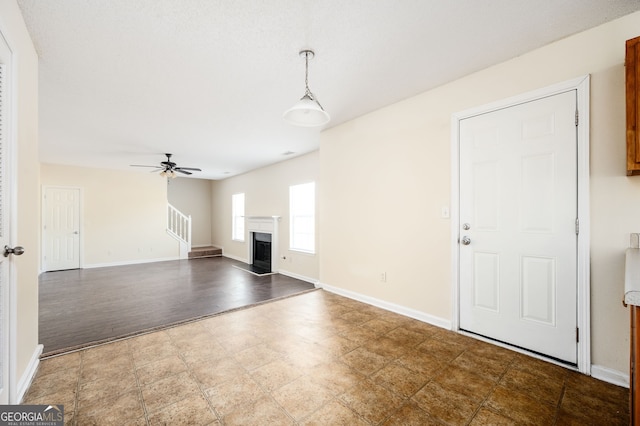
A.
x: 302, y: 217
x: 237, y: 215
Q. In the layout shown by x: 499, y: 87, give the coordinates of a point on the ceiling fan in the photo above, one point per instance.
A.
x: 168, y: 168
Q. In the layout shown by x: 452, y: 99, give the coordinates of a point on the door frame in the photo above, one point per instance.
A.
x: 43, y: 222
x: 583, y: 320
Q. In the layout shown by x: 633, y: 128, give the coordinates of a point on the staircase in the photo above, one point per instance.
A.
x: 199, y: 252
x: 179, y: 227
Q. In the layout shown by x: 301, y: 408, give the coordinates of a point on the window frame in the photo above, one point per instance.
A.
x: 294, y: 214
x: 237, y: 218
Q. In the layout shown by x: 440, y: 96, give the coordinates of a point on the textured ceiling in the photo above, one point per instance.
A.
x: 124, y: 81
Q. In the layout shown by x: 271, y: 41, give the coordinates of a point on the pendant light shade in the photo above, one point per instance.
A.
x: 307, y: 111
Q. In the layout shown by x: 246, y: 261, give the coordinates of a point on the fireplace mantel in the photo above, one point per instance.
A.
x: 265, y: 225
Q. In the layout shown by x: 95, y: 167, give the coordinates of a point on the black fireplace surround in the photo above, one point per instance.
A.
x: 261, y: 252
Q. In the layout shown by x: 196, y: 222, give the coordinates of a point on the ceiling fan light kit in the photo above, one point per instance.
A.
x: 307, y: 112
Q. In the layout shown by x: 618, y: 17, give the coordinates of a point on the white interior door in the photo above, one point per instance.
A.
x: 61, y: 228
x: 5, y: 234
x: 518, y: 210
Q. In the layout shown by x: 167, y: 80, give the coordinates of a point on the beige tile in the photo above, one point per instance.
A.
x: 400, y: 380
x: 62, y: 383
x: 334, y: 413
x: 444, y: 351
x: 371, y: 401
x: 148, y: 354
x: 157, y: 370
x: 543, y: 388
x: 193, y: 410
x: 301, y: 397
x: 487, y: 417
x: 264, y: 411
x: 358, y: 334
x: 116, y: 368
x: 520, y: 407
x: 445, y: 404
x: 466, y: 383
x: 170, y: 390
x: 590, y: 406
x: 364, y: 361
x: 480, y: 365
x: 62, y: 362
x: 386, y: 347
x: 336, y: 346
x: 421, y: 362
x: 210, y: 374
x: 105, y: 352
x: 406, y: 337
x: 103, y: 391
x: 410, y: 414
x: 275, y: 374
x: 230, y: 395
x: 335, y: 376
x: 202, y: 351
x: 257, y: 356
x: 240, y: 341
x: 150, y: 339
x: 125, y: 409
x: 379, y: 325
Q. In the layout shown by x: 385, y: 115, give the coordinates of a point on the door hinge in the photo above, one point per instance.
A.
x: 577, y: 335
x: 577, y: 226
x: 577, y: 118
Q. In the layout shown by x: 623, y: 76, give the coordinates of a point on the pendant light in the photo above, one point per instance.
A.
x: 307, y: 111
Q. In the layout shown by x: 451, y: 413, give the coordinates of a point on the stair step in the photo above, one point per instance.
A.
x: 210, y: 251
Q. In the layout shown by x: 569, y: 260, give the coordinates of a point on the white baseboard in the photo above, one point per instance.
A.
x: 129, y: 262
x: 239, y: 259
x: 610, y: 375
x: 313, y: 281
x: 402, y: 310
x: 28, y: 375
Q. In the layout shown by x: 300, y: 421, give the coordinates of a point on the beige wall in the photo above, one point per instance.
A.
x: 123, y: 214
x: 386, y: 175
x: 266, y: 194
x: 193, y: 197
x: 24, y: 211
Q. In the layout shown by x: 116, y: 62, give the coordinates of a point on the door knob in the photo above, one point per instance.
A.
x: 17, y: 250
x: 466, y: 226
x: 465, y: 241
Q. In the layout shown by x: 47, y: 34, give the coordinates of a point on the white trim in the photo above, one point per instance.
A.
x: 130, y: 262
x: 238, y: 258
x: 610, y: 375
x: 313, y: 281
x: 388, y: 306
x: 29, y: 374
x: 581, y: 85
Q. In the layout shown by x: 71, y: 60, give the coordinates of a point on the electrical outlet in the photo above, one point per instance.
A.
x: 383, y: 277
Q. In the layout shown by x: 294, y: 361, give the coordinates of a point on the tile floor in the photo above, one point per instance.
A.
x: 317, y: 359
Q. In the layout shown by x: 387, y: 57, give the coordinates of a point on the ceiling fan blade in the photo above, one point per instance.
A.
x: 139, y: 165
x: 188, y: 168
x: 182, y: 171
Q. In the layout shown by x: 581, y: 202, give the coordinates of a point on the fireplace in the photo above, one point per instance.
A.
x: 261, y: 252
x: 262, y: 256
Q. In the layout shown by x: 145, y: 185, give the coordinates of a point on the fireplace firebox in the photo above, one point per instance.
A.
x: 261, y: 252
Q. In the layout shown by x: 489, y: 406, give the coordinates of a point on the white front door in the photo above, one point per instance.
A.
x: 61, y: 228
x: 518, y: 211
x: 5, y: 230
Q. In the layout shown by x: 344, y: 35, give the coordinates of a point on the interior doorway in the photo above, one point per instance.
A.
x: 61, y: 228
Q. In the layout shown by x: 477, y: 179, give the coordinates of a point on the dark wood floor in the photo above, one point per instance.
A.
x: 81, y: 307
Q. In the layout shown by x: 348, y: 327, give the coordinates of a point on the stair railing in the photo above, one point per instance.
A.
x: 179, y: 227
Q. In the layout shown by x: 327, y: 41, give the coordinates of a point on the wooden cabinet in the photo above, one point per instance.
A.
x: 632, y: 70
